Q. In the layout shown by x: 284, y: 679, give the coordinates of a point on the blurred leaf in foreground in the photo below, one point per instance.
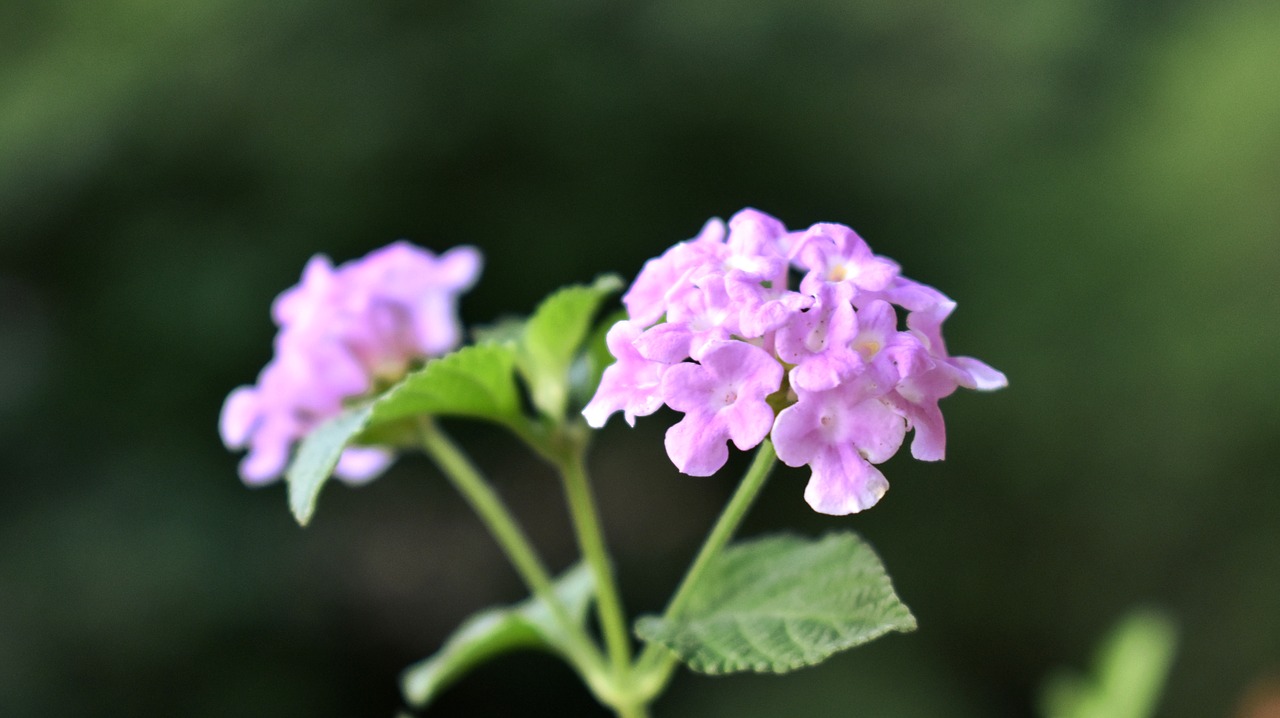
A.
x: 1128, y: 675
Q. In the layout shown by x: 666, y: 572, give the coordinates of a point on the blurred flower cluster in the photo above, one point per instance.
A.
x: 345, y: 333
x: 715, y: 332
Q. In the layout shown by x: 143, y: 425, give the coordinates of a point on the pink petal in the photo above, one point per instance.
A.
x: 360, y: 464
x: 268, y: 455
x: 668, y: 343
x: 690, y: 387
x: 631, y: 384
x: 985, y: 378
x: 435, y: 323
x: 843, y: 483
x: 628, y: 385
x: 875, y: 429
x: 752, y: 369
x: 317, y: 279
x: 824, y: 371
x: 749, y: 422
x: 930, y: 441
x: 458, y: 268
x: 697, y: 445
x: 797, y: 433
x: 239, y: 414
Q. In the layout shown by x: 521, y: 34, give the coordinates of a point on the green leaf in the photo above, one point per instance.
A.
x: 317, y: 455
x: 1130, y: 672
x: 496, y: 631
x: 475, y: 381
x: 780, y: 603
x: 506, y: 330
x: 552, y: 337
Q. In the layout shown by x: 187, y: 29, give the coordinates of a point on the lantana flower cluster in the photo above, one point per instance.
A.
x: 836, y: 371
x: 346, y: 332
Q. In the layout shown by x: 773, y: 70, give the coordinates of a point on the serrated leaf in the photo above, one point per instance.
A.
x: 402, y: 433
x: 780, y: 603
x: 552, y: 337
x: 475, y: 381
x: 316, y: 457
x: 496, y: 631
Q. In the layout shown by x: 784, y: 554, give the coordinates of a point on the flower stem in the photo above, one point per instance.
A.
x: 582, y: 507
x: 655, y: 662
x: 583, y: 653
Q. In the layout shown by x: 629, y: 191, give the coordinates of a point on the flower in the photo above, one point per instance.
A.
x: 345, y: 332
x: 631, y: 384
x: 714, y: 331
x: 723, y: 397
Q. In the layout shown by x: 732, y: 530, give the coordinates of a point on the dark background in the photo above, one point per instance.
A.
x: 1096, y: 183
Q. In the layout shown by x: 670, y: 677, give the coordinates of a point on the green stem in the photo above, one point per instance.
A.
x: 515, y: 544
x: 582, y: 507
x: 655, y: 663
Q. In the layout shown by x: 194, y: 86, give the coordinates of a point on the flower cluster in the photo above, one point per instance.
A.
x: 715, y: 332
x: 345, y: 332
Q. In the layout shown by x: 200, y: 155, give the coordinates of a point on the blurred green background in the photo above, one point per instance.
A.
x: 1096, y: 183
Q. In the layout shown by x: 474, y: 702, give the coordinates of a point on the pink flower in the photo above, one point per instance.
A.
x: 630, y: 385
x: 650, y: 294
x: 818, y: 341
x: 723, y: 398
x: 840, y: 433
x: 705, y: 316
x: 345, y: 332
x: 714, y: 325
x: 834, y: 253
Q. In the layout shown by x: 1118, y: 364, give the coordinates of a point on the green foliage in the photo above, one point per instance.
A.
x: 780, y: 603
x: 499, y: 630
x: 477, y: 382
x: 1129, y: 674
x: 474, y: 381
x: 316, y: 457
x: 552, y: 337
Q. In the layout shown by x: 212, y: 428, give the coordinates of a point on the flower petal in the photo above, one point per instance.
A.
x: 697, y: 445
x: 631, y: 384
x: 985, y: 378
x: 749, y: 422
x: 667, y: 343
x: 458, y: 268
x: 361, y: 464
x: 843, y: 483
x: 239, y: 414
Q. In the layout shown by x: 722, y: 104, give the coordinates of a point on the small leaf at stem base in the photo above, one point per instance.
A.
x: 495, y: 631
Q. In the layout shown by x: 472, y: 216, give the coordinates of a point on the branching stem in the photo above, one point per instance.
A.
x: 464, y: 476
